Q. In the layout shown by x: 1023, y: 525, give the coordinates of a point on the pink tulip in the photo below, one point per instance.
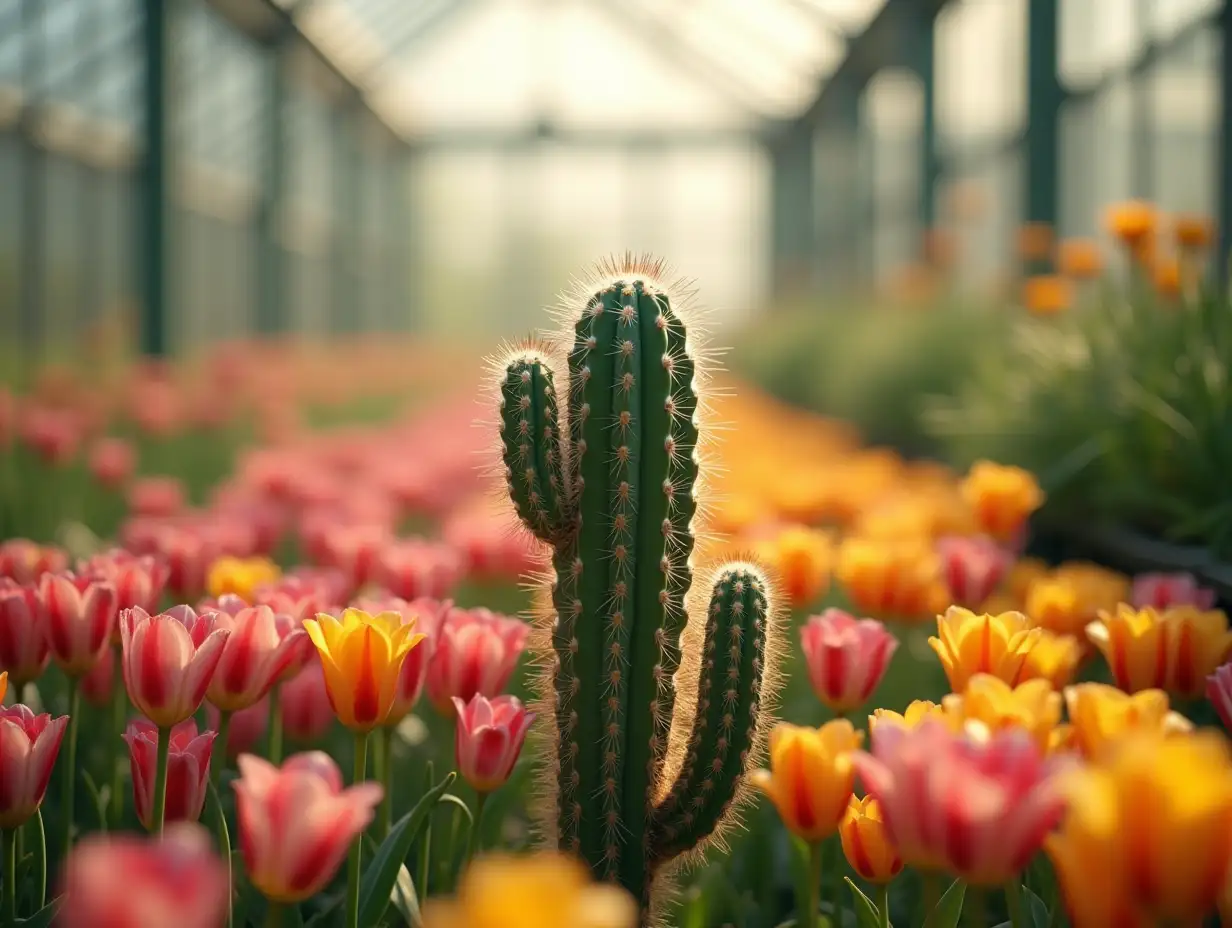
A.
x: 188, y: 555
x: 305, y: 591
x: 491, y: 542
x: 1219, y: 692
x: 98, y: 685
x: 975, y: 805
x: 124, y: 881
x: 24, y: 651
x: 112, y: 461
x: 1160, y: 591
x: 412, y: 567
x: 489, y: 738
x: 79, y: 617
x: 168, y: 660
x: 246, y: 728
x: 254, y: 658
x: 156, y: 496
x: 53, y: 434
x: 353, y: 549
x: 846, y: 657
x: 138, y: 580
x: 476, y: 652
x: 304, y: 703
x: 427, y: 615
x: 188, y: 769
x: 973, y: 567
x: 29, y: 744
x: 24, y: 561
x: 296, y: 823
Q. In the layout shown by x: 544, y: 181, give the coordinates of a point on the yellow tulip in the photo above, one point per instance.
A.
x: 1023, y: 573
x: 1033, y: 707
x: 1167, y: 804
x: 1174, y: 650
x: 891, y: 579
x: 916, y: 712
x: 240, y: 576
x: 866, y: 842
x: 545, y: 890
x: 1054, y: 658
x: 971, y: 644
x: 811, y: 776
x: 1102, y: 715
x: 1002, y: 497
x: 802, y: 556
x: 362, y: 656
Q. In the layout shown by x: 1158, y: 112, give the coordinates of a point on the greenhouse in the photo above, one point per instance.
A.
x: 615, y: 463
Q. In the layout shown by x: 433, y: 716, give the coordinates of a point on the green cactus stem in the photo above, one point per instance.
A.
x: 611, y: 486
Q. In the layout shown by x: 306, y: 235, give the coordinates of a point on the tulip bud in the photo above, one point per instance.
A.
x: 846, y: 658
x: 476, y: 653
x: 79, y: 615
x: 866, y: 842
x: 488, y: 739
x: 29, y: 745
x: 811, y: 776
x: 188, y: 769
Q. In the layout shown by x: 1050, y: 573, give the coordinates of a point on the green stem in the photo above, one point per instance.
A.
x: 474, y: 841
x: 930, y: 896
x: 273, y: 914
x: 274, y: 748
x: 977, y: 907
x: 160, y: 781
x: 119, y: 709
x: 361, y: 764
x: 387, y: 780
x: 883, y: 906
x: 1013, y: 902
x: 810, y: 905
x: 42, y: 870
x: 70, y: 770
x: 425, y: 854
x: 10, y: 876
x: 834, y: 875
x: 219, y: 758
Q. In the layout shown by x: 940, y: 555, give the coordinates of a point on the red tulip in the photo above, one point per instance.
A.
x: 123, y: 881
x: 156, y: 496
x: 246, y: 728
x: 973, y: 805
x: 25, y: 561
x: 168, y: 660
x: 353, y: 549
x: 414, y: 567
x: 79, y: 617
x: 296, y: 823
x: 29, y: 744
x: 973, y: 567
x: 476, y: 652
x: 23, y: 645
x: 254, y: 657
x: 1162, y: 591
x: 304, y: 703
x: 188, y: 769
x: 304, y: 592
x: 53, y: 434
x: 489, y: 738
x: 98, y: 685
x: 112, y: 461
x: 138, y: 580
x: 846, y: 657
x: 427, y: 615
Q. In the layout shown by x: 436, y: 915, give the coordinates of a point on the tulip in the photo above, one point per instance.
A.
x: 866, y: 842
x: 891, y: 579
x: 24, y: 651
x: 1101, y: 716
x: 971, y: 644
x: 846, y: 657
x: 98, y: 686
x: 79, y: 615
x: 24, y: 561
x: 296, y: 823
x: 972, y: 567
x: 476, y: 652
x: 1054, y: 658
x: 917, y: 711
x: 1219, y: 693
x: 489, y: 739
x: 1068, y: 599
x: 240, y: 576
x: 4, y: 686
x: 138, y: 581
x: 546, y: 890
x: 976, y: 804
x: 246, y: 728
x: 411, y: 568
x: 29, y: 744
x: 156, y: 496
x: 1032, y: 707
x: 306, y: 714
x: 188, y: 770
x: 1152, y: 823
x: 801, y: 556
x: 1174, y: 650
x: 123, y: 881
x: 1002, y: 497
x: 1160, y: 591
x: 811, y: 776
x: 112, y: 461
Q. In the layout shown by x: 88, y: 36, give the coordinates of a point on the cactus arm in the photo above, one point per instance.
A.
x: 728, y: 705
x: 592, y: 374
x: 531, y: 447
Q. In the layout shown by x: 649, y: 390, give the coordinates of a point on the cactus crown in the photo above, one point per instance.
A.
x: 656, y: 716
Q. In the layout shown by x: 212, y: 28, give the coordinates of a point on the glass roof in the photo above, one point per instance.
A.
x: 434, y: 67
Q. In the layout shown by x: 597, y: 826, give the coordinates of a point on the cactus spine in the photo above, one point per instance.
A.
x: 638, y: 779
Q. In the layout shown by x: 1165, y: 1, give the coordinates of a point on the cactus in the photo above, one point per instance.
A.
x: 649, y: 745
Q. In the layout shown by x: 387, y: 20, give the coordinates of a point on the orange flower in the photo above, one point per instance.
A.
x: 1080, y: 259
x: 1022, y: 574
x: 970, y: 644
x: 1033, y: 707
x: 1173, y: 650
x: 866, y: 841
x: 1132, y: 222
x: 1002, y: 497
x: 811, y: 776
x: 916, y: 712
x: 1035, y: 241
x: 1101, y: 716
x: 802, y: 557
x: 1054, y: 658
x: 1167, y: 274
x: 1193, y: 232
x: 891, y: 579
x: 1047, y: 294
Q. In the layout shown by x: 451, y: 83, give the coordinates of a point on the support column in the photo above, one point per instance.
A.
x: 345, y: 304
x: 1044, y: 97
x: 793, y: 220
x: 930, y: 165
x: 1142, y: 131
x: 271, y: 302
x: 409, y: 258
x: 1224, y: 159
x: 33, y: 249
x: 843, y: 187
x: 154, y: 225
x: 89, y: 180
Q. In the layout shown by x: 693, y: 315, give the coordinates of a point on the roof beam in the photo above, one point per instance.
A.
x: 480, y: 139
x: 442, y: 14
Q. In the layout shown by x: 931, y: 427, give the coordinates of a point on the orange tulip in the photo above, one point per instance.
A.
x: 969, y: 644
x: 1132, y: 222
x: 1054, y: 658
x: 889, y: 579
x: 1101, y: 716
x: 1002, y: 497
x: 866, y: 842
x: 1033, y: 707
x: 1174, y: 650
x: 1080, y: 259
x: 1047, y: 294
x: 811, y: 776
x: 1193, y: 232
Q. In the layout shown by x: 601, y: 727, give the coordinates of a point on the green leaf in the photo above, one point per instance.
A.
x: 405, y: 900
x: 1037, y: 909
x: 381, y: 876
x: 224, y: 847
x: 100, y: 797
x: 42, y: 918
x: 949, y: 909
x: 326, y: 915
x: 867, y: 914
